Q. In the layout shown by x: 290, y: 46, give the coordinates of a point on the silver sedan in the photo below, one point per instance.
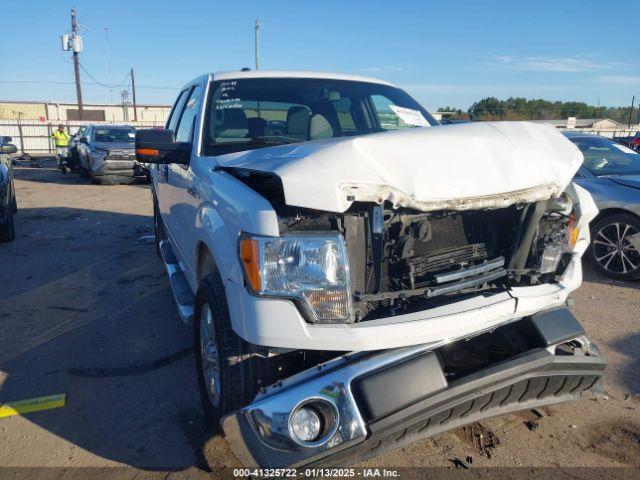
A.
x: 611, y: 173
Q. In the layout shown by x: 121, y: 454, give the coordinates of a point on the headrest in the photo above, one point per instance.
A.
x: 257, y: 127
x: 320, y: 127
x: 231, y: 123
x: 298, y: 122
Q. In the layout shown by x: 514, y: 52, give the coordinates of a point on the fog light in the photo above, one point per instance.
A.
x: 305, y: 424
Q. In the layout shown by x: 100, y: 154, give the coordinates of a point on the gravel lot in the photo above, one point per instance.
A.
x: 86, y: 310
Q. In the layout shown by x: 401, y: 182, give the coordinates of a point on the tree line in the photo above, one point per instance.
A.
x: 518, y: 108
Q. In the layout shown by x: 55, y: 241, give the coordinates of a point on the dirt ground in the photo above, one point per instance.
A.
x: 86, y: 310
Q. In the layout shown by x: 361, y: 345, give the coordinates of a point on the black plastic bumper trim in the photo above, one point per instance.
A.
x: 556, y: 325
x: 390, y: 389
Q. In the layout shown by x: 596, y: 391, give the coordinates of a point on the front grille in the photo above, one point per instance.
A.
x: 424, y: 256
x: 424, y: 267
x: 121, y: 155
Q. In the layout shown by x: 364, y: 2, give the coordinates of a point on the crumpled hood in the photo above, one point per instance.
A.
x: 459, y: 167
x: 632, y: 181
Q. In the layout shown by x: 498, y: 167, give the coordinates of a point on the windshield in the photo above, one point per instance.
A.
x: 252, y: 113
x: 114, y: 135
x: 606, y: 157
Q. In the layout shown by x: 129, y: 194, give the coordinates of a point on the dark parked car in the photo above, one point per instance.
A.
x: 8, y: 205
x: 611, y: 173
x: 107, y: 154
x: 74, y: 160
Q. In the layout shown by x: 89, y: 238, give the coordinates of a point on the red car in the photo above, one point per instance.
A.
x: 635, y: 143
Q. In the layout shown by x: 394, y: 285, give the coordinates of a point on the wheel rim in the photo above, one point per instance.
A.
x: 613, y: 251
x: 209, y: 356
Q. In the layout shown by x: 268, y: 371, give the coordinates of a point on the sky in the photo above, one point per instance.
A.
x: 445, y: 53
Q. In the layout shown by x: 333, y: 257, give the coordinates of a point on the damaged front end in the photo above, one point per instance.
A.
x: 453, y: 304
x: 402, y: 260
x: 359, y: 405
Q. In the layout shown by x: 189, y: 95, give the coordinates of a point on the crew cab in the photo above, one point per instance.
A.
x: 359, y: 277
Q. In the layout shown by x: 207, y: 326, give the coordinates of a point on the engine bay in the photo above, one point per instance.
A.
x: 403, y: 260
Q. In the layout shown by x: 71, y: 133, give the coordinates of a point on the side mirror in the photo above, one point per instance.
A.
x: 7, y: 139
x: 84, y: 140
x: 159, y: 146
x: 8, y: 148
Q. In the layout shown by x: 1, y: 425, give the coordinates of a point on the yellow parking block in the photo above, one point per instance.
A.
x: 32, y: 405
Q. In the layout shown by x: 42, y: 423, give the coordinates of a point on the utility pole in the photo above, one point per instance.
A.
x: 133, y: 92
x: 76, y: 62
x: 257, y: 27
x: 633, y: 100
x: 73, y: 42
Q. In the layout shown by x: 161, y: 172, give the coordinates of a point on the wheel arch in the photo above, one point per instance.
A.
x: 607, y: 212
x: 205, y: 262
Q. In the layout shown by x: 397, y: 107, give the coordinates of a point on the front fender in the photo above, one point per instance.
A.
x: 230, y: 209
x: 212, y: 232
x: 586, y: 211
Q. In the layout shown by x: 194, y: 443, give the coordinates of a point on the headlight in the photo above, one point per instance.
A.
x: 557, y: 235
x: 312, y: 269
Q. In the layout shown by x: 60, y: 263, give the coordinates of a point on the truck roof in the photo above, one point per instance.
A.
x: 237, y: 75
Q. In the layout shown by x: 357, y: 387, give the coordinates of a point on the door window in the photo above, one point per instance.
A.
x: 184, y: 132
x: 177, y: 110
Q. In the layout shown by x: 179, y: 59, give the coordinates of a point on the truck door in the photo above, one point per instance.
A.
x: 161, y: 174
x: 181, y: 186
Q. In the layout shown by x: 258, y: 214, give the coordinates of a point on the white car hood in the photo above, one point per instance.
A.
x: 457, y: 167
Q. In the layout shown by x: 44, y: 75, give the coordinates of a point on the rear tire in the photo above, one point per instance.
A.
x: 610, y: 251
x: 240, y: 371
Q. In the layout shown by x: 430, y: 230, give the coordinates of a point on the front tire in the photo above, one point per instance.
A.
x: 7, y: 231
x: 610, y: 250
x: 230, y: 373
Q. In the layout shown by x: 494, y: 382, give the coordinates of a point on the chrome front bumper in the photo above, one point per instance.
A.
x: 389, y: 399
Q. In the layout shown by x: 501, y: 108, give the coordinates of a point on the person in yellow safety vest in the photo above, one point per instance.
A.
x: 61, y: 139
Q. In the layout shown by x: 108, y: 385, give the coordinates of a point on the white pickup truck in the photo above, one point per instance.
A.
x: 359, y: 277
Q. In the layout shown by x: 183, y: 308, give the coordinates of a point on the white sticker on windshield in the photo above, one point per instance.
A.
x: 624, y: 148
x: 410, y: 116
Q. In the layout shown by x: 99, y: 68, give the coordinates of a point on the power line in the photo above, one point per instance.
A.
x: 105, y: 85
x: 58, y: 82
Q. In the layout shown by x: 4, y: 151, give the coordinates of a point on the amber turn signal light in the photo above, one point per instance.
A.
x: 573, y: 231
x: 250, y: 257
x: 151, y: 152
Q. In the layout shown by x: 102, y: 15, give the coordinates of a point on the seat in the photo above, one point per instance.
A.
x: 232, y: 123
x: 298, y: 122
x: 320, y: 127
